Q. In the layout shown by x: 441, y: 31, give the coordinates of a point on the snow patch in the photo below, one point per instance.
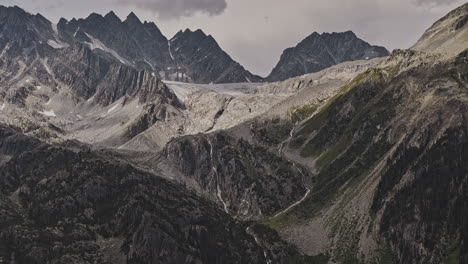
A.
x: 2, y: 107
x: 215, y: 171
x: 97, y: 44
x: 50, y: 113
x: 76, y: 32
x: 56, y: 45
x: 48, y: 102
x: 112, y: 109
x: 149, y: 64
x: 44, y: 62
x: 219, y: 194
x: 7, y: 47
x: 54, y: 28
x: 172, y: 40
x: 170, y: 51
x: 38, y: 87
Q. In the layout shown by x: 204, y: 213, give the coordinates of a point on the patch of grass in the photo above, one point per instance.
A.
x: 349, y: 160
x: 392, y: 71
x: 460, y: 72
x: 309, y: 208
x: 332, y: 153
x: 297, y: 142
x: 300, y: 113
x: 386, y: 255
x: 315, y: 122
x: 453, y: 254
x: 328, y: 113
x: 251, y: 171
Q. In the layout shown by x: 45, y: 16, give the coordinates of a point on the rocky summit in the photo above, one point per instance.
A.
x: 118, y: 145
x: 320, y: 51
x: 199, y: 59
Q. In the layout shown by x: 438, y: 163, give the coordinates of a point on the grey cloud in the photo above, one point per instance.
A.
x: 173, y: 9
x: 434, y: 2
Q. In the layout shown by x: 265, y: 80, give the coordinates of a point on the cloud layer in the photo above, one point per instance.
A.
x: 434, y: 2
x: 174, y: 9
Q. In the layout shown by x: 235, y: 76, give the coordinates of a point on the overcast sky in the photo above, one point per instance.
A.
x: 255, y: 32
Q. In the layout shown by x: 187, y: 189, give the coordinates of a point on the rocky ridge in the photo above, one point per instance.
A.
x: 320, y: 51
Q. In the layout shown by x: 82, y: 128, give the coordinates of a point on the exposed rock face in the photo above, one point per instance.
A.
x: 22, y: 32
x: 317, y: 52
x: 134, y: 41
x: 194, y: 57
x: 121, y: 81
x: 247, y: 180
x: 203, y: 61
x: 189, y: 56
x: 47, y: 72
x: 447, y: 37
x: 360, y: 163
x: 68, y: 204
x: 383, y: 148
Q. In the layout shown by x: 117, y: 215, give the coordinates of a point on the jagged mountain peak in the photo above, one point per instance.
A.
x: 188, y: 31
x: 324, y: 34
x: 204, y: 61
x: 93, y: 16
x: 132, y: 18
x: 196, y: 34
x: 22, y: 31
x: 112, y: 17
x: 14, y: 14
x: 13, y: 9
x: 42, y: 18
x: 62, y: 21
x: 320, y: 51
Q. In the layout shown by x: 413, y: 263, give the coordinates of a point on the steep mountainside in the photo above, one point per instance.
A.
x: 136, y: 43
x: 448, y: 35
x: 67, y: 204
x: 363, y: 162
x: 189, y: 56
x: 50, y: 87
x: 192, y: 57
x: 390, y: 183
x: 383, y: 149
x: 385, y: 158
x: 320, y: 51
x: 247, y: 181
x: 204, y: 61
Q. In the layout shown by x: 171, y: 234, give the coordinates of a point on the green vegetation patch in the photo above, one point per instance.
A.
x: 453, y: 254
x: 356, y: 150
x: 386, y: 255
x: 301, y: 113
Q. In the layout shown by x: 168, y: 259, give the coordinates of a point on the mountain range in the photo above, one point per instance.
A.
x: 118, y: 145
x: 188, y: 56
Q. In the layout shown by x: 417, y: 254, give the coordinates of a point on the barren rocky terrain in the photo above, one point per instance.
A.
x: 105, y: 159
